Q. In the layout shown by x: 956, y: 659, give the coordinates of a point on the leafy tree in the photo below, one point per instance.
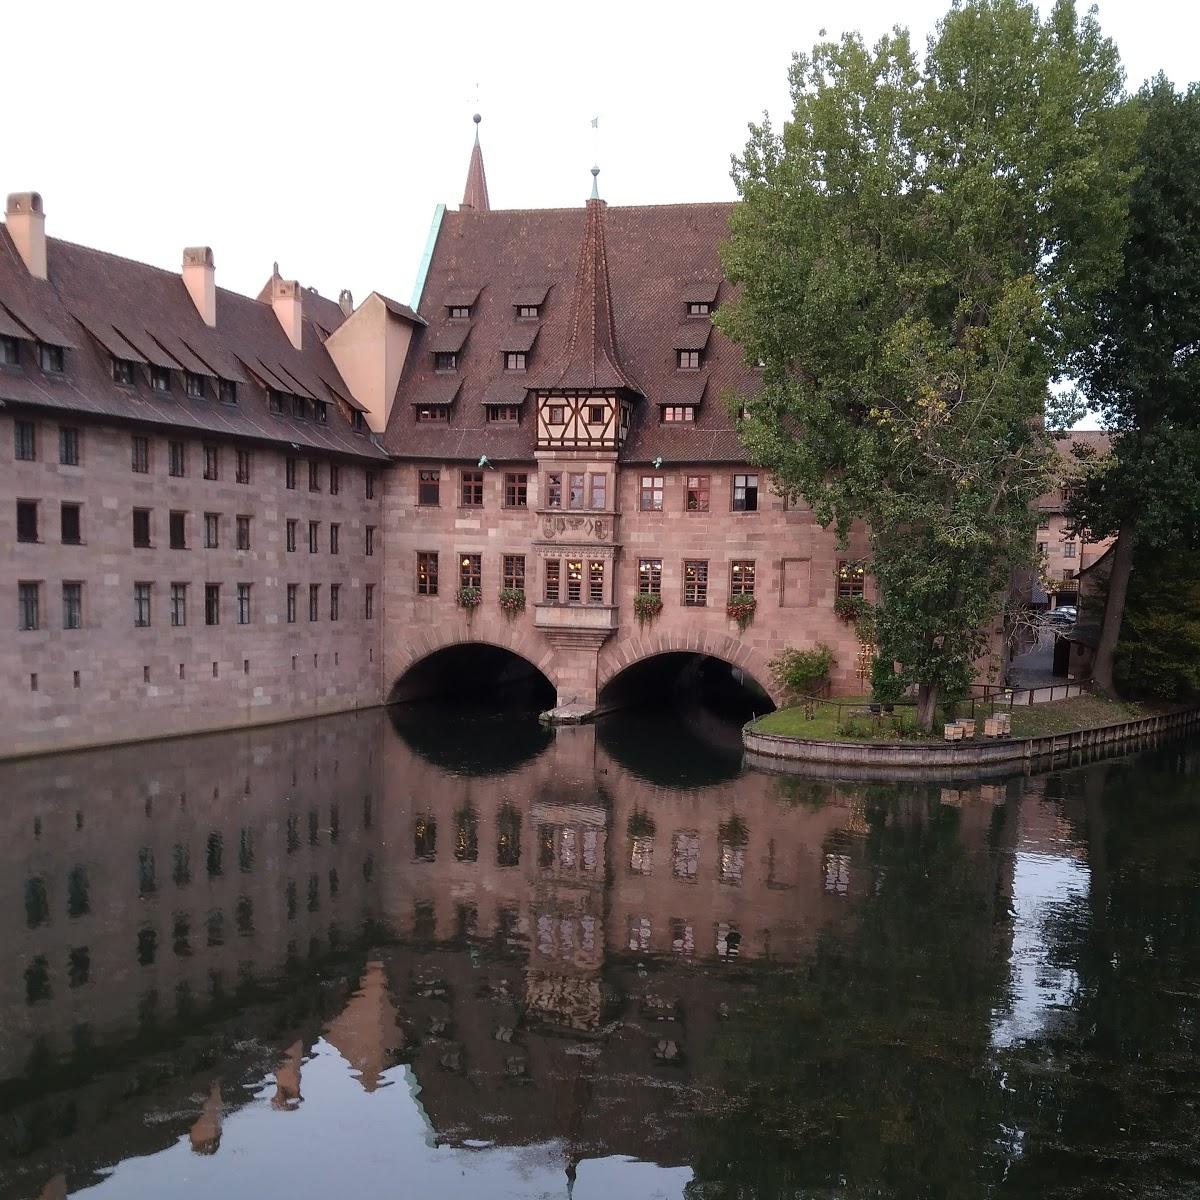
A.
x: 1141, y: 372
x: 917, y: 252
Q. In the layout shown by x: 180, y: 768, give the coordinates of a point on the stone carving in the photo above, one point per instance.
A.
x: 599, y: 528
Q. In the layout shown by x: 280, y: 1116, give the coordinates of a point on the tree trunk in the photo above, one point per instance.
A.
x: 1114, y: 608
x: 926, y: 705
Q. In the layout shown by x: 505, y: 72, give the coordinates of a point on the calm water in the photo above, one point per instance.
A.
x: 447, y: 956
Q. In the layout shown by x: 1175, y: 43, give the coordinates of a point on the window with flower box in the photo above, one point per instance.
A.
x: 741, y: 578
x: 470, y: 571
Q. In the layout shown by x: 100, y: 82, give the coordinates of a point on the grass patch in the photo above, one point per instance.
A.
x: 852, y: 723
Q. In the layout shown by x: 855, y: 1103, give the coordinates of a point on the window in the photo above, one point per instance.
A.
x: 599, y: 496
x: 291, y: 536
x: 427, y: 573
x: 277, y: 401
x: 212, y: 462
x: 556, y: 414
x: 471, y: 489
x: 227, y: 391
x: 574, y: 581
x: 50, y: 358
x: 123, y: 371
x: 470, y: 571
x: 292, y: 590
x: 553, y: 577
x: 212, y: 531
x: 141, y: 528
x: 27, y: 521
x: 1042, y: 547
x: 242, y: 467
x: 513, y: 577
x: 243, y: 604
x: 314, y: 477
x: 1043, y: 520
x: 10, y: 351
x: 70, y: 525
x: 243, y: 533
x: 445, y: 360
x: 528, y: 312
x: 509, y: 414
x: 1068, y: 549
x: 179, y: 604
x: 68, y: 445
x: 178, y: 530
x: 290, y: 474
x: 460, y: 312
x: 369, y: 484
x: 194, y: 385
x: 575, y: 493
x: 369, y: 602
x: 160, y: 379
x: 72, y: 599
x: 649, y: 577
x: 321, y: 412
x: 596, y: 581
x: 369, y: 548
x: 554, y: 490
x: 140, y: 455
x: 335, y: 538
x: 299, y: 407
x: 516, y: 490
x: 177, y: 454
x: 652, y: 493
x: 695, y: 582
x: 514, y: 360
x: 675, y: 413
x: 314, y: 532
x: 699, y: 308
x: 697, y: 493
x: 335, y: 592
x: 688, y: 360
x: 141, y: 605
x: 25, y: 441
x: 596, y: 414
x: 745, y: 493
x: 212, y: 604
x: 429, y: 487
x: 850, y: 578
x: 314, y: 601
x: 685, y: 854
x: 335, y: 479
x: 28, y: 615
x: 741, y: 577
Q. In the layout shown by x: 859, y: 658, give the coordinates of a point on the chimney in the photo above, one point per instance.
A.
x: 27, y: 227
x: 346, y: 302
x: 287, y: 299
x: 199, y: 277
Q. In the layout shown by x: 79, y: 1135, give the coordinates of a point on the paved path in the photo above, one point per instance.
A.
x: 1035, y: 668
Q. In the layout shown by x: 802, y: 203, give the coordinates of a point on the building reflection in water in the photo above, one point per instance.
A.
x: 555, y: 944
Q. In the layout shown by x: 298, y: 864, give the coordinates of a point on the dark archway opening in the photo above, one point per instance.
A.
x: 675, y: 719
x: 476, y: 673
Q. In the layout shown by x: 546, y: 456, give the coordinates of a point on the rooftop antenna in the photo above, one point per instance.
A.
x: 595, y: 157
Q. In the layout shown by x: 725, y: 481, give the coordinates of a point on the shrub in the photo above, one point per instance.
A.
x: 802, y: 672
x: 646, y: 606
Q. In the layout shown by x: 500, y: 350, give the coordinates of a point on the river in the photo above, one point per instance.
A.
x: 438, y: 953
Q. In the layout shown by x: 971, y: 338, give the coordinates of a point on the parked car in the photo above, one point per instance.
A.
x: 1066, y: 614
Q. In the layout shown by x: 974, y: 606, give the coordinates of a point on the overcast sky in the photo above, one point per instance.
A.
x: 323, y: 135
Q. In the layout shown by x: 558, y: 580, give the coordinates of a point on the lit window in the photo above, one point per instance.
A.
x: 689, y: 360
x: 596, y: 581
x: 695, y: 583
x: 678, y: 413
x: 745, y: 493
x: 741, y: 577
x: 427, y: 573
x: 574, y: 581
x: 649, y: 578
x: 429, y: 487
x: 470, y: 571
x: 515, y: 360
x: 697, y: 493
x: 652, y: 493
x: 851, y: 576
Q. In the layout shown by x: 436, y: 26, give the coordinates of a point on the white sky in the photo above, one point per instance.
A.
x: 323, y: 135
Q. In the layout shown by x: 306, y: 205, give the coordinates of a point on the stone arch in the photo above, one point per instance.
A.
x: 730, y: 650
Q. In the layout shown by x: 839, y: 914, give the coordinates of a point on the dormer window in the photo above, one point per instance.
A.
x: 277, y: 401
x: 503, y: 414
x: 674, y: 413
x: 688, y: 360
x: 227, y: 390
x: 10, y: 351
x: 122, y: 371
x: 299, y: 407
x: 515, y: 360
x: 194, y: 385
x: 433, y: 412
x: 160, y: 379
x: 445, y: 360
x: 50, y: 358
x: 357, y: 423
x: 529, y: 312
x: 321, y: 412
x: 460, y: 312
x: 699, y: 308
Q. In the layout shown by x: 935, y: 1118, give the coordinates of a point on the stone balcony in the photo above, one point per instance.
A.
x: 576, y: 625
x: 576, y: 527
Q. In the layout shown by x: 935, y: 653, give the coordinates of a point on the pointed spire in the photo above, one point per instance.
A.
x: 475, y: 194
x: 592, y: 360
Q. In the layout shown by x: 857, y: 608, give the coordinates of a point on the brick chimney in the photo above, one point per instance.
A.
x: 27, y: 227
x: 287, y: 299
x: 199, y: 277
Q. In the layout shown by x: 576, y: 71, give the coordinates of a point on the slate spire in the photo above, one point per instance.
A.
x: 475, y: 194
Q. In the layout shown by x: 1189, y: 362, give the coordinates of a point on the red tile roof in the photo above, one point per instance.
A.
x: 658, y: 258
x: 102, y: 305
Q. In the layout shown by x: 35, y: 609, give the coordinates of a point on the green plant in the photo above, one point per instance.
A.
x: 801, y: 672
x: 646, y: 606
x: 741, y: 609
x: 469, y: 598
x: 850, y: 609
x: 512, y: 601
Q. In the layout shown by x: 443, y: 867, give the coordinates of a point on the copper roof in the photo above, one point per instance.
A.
x: 123, y: 304
x: 653, y: 257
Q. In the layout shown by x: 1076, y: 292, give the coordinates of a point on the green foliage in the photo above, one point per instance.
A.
x: 646, y: 607
x: 917, y: 253
x: 512, y: 601
x: 741, y: 609
x: 469, y: 598
x: 802, y: 672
